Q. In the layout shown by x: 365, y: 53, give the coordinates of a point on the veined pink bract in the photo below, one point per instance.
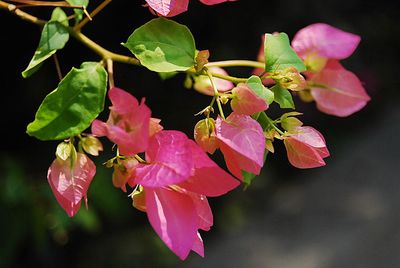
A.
x: 306, y: 147
x: 70, y: 181
x: 170, y: 8
x: 242, y: 142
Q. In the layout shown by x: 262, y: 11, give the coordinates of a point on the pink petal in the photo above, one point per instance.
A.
x: 70, y: 183
x: 198, y: 246
x: 208, y: 179
x: 310, y: 136
x: 203, y: 84
x: 326, y: 41
x: 170, y: 160
x: 122, y: 101
x: 341, y: 92
x: 99, y: 128
x: 168, y: 8
x: 173, y: 216
x: 242, y: 142
x: 203, y: 210
x: 302, y: 155
x: 246, y: 101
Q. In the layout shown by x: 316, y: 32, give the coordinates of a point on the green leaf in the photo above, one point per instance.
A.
x: 54, y: 37
x: 248, y: 177
x: 163, y: 45
x: 167, y: 75
x: 262, y: 119
x: 73, y: 105
x: 255, y: 84
x: 283, y: 97
x: 279, y: 55
x: 60, y: 16
x: 78, y: 12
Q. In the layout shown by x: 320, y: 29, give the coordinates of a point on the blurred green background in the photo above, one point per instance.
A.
x: 344, y: 215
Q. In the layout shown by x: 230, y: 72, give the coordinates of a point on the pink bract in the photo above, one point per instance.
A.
x: 128, y: 125
x: 208, y: 178
x: 326, y: 41
x: 242, y: 143
x: 338, y: 91
x: 169, y: 160
x: 306, y: 148
x: 70, y: 181
x: 170, y: 8
x: 246, y: 101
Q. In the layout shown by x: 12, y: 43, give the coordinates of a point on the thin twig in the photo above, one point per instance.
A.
x: 58, y: 68
x: 80, y: 25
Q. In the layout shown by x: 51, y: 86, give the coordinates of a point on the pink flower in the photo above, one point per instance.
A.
x: 318, y: 42
x: 306, y: 148
x: 246, y: 101
x: 170, y: 8
x: 128, y: 125
x: 204, y: 135
x: 338, y: 91
x: 176, y: 179
x: 242, y: 142
x: 69, y: 180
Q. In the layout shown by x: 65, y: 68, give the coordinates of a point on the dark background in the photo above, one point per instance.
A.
x: 346, y: 214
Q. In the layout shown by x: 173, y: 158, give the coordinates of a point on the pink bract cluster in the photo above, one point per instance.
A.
x: 173, y: 182
x: 170, y: 8
x: 335, y: 90
x: 173, y: 179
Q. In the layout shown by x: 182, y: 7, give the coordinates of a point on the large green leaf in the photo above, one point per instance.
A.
x: 163, y: 45
x: 283, y: 97
x: 255, y: 84
x: 78, y: 12
x: 279, y: 55
x: 54, y: 36
x: 73, y: 105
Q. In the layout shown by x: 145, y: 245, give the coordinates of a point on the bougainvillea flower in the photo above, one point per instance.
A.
x: 203, y: 84
x: 318, y: 42
x: 128, y: 125
x: 69, y: 180
x: 338, y: 91
x: 242, y: 142
x: 170, y: 8
x: 204, y: 135
x: 306, y: 147
x: 177, y: 210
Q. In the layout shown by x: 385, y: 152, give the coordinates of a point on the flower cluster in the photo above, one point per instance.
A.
x: 170, y: 176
